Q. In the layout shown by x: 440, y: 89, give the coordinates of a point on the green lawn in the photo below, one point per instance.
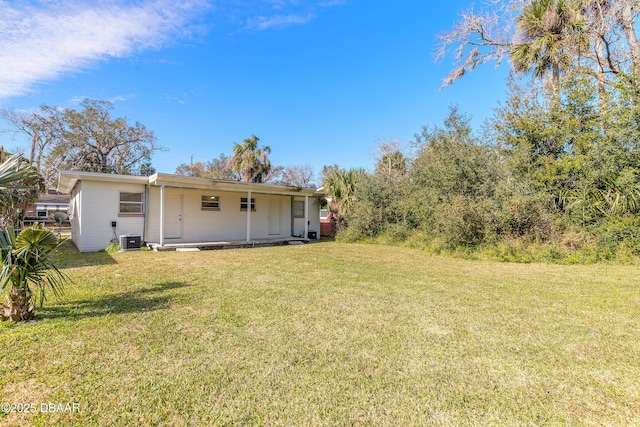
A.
x: 328, y: 334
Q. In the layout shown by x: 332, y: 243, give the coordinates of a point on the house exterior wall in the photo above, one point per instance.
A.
x: 227, y: 224
x: 314, y: 218
x: 98, y: 203
x: 314, y: 215
x: 95, y: 204
x: 75, y: 218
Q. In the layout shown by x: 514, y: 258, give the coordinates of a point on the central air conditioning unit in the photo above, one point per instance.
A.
x: 130, y: 242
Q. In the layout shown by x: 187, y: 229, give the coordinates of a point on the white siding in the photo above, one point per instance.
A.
x: 75, y: 208
x: 95, y: 205
x: 152, y: 232
x: 99, y: 204
x: 314, y: 218
x: 227, y: 224
x: 314, y: 215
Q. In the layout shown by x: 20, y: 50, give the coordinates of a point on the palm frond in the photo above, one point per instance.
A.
x: 26, y: 262
x: 14, y: 170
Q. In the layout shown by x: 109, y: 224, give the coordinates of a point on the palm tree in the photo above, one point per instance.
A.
x: 13, y: 171
x: 26, y: 264
x: 24, y: 259
x: 340, y: 187
x: 250, y: 160
x: 20, y: 185
x: 549, y: 30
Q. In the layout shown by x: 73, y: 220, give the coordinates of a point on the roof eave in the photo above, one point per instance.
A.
x: 215, y: 184
x: 68, y: 180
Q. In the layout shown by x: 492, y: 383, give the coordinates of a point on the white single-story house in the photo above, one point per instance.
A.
x: 167, y: 209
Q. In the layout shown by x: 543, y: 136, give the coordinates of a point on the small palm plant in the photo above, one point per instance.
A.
x: 27, y: 270
x: 340, y: 186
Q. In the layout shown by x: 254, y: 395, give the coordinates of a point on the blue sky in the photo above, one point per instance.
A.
x: 321, y: 82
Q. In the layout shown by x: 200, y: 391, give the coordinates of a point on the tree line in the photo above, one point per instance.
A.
x: 249, y: 163
x: 556, y: 169
x: 553, y: 174
x: 89, y: 139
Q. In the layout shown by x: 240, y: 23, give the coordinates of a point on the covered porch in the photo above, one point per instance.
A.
x: 209, y: 246
x: 243, y: 214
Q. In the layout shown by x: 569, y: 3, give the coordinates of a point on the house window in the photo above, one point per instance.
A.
x: 298, y: 208
x: 131, y: 203
x: 210, y: 203
x: 243, y: 204
x: 42, y: 214
x: 324, y: 213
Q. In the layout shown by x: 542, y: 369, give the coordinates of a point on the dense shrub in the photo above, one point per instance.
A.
x: 613, y: 236
x: 462, y: 222
x: 526, y: 216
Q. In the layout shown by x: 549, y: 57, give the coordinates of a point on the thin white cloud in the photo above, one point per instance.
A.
x: 277, y: 4
x: 332, y: 3
x: 42, y: 40
x: 261, y: 23
x: 79, y: 99
x: 260, y: 15
x: 122, y: 98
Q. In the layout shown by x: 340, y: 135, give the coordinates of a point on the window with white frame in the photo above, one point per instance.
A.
x: 243, y: 204
x: 210, y: 203
x: 131, y: 203
x: 298, y: 208
x: 324, y: 213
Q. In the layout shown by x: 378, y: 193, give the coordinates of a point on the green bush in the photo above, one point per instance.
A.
x: 510, y: 251
x: 462, y: 222
x: 398, y: 232
x: 619, y: 233
x: 527, y: 216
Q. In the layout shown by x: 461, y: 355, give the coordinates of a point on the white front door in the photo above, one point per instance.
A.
x: 173, y: 216
x: 275, y: 219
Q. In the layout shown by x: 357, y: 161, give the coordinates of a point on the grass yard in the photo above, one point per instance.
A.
x: 328, y: 334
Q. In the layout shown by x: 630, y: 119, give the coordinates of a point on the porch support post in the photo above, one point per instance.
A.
x: 249, y: 217
x: 306, y: 217
x: 162, y: 215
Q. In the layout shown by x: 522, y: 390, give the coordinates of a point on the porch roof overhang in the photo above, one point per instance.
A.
x: 68, y: 179
x: 179, y: 181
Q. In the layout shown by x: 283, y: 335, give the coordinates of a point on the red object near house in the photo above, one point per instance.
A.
x: 326, y: 228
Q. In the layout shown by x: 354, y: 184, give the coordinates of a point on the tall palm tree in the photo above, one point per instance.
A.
x: 250, y: 160
x: 549, y: 31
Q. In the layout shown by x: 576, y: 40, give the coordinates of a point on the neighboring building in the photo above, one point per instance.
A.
x: 165, y: 209
x: 327, y: 227
x: 47, y: 205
